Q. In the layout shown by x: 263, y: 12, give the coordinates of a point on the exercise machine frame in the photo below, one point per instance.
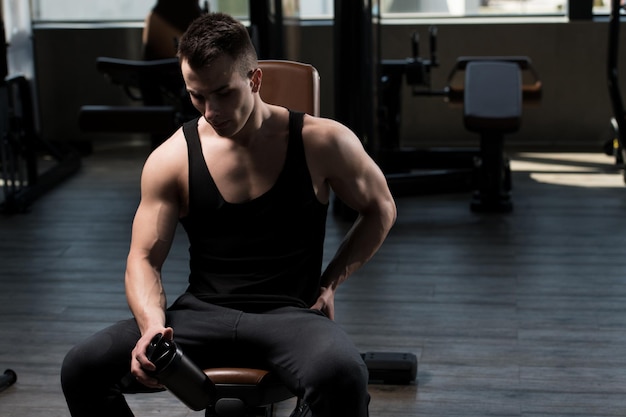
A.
x: 617, y: 145
x: 484, y: 169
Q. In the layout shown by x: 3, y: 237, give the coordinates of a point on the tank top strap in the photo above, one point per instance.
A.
x: 294, y: 159
x: 296, y: 121
x: 202, y: 190
x: 190, y: 130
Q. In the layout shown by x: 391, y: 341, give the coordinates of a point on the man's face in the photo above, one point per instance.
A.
x: 221, y: 94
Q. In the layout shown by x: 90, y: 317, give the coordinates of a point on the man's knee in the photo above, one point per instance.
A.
x: 347, y: 376
x: 73, y: 366
x: 96, y: 359
x: 90, y: 382
x: 337, y: 379
x: 340, y: 390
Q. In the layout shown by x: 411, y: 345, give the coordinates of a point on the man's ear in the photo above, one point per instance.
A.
x: 255, y: 80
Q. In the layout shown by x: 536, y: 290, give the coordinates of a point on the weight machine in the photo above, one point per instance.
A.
x: 23, y: 176
x: 490, y: 89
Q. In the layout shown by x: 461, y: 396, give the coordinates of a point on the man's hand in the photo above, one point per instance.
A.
x: 139, y: 363
x: 326, y: 302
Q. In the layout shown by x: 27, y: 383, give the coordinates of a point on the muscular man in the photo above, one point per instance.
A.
x: 250, y: 183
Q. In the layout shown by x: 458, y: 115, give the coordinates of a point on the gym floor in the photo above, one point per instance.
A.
x: 522, y: 314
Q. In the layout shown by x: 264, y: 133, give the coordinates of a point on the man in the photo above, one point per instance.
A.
x: 250, y: 183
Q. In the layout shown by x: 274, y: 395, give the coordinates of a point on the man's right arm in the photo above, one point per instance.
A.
x: 153, y: 231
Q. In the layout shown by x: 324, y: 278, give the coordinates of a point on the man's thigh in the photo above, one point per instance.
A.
x: 289, y: 339
x: 298, y: 343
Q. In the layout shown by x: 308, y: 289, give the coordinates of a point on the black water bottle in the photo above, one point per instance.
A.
x: 179, y: 375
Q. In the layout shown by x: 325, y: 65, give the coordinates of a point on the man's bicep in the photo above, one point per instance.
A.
x: 153, y: 231
x: 156, y: 218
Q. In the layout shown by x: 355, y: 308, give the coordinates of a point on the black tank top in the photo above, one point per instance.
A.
x: 259, y: 254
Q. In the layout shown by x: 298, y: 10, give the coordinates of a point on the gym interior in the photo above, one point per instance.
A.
x: 503, y: 276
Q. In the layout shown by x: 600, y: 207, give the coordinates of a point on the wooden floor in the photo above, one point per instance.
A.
x: 510, y: 315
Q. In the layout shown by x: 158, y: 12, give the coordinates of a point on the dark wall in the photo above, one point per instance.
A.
x: 67, y: 77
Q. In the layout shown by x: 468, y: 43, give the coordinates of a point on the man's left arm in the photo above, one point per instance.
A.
x: 359, y: 183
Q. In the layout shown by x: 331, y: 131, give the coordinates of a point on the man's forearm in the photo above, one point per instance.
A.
x: 145, y: 296
x: 359, y: 245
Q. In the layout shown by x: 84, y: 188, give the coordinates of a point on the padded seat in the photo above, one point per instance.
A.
x: 493, y: 92
x: 493, y: 96
x: 242, y: 391
x: 291, y: 84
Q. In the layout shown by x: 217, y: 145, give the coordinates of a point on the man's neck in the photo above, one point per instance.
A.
x: 255, y: 125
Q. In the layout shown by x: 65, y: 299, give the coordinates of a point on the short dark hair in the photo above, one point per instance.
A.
x: 214, y: 34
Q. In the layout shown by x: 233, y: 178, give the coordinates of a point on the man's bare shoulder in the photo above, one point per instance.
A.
x: 326, y: 135
x: 169, y: 160
x: 322, y: 128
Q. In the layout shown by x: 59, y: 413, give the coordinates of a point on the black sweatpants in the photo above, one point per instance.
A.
x: 312, y: 355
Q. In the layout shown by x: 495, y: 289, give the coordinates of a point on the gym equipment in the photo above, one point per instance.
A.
x: 246, y: 392
x: 491, y: 91
x: 156, y: 84
x: 492, y: 104
x: 398, y: 368
x: 21, y: 149
x: 23, y: 177
x: 412, y: 170
x: 7, y: 379
x: 377, y: 122
x: 617, y: 145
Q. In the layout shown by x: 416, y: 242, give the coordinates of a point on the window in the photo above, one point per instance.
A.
x: 136, y: 10
x: 460, y: 8
x: 116, y: 10
x: 81, y: 10
x: 440, y: 8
